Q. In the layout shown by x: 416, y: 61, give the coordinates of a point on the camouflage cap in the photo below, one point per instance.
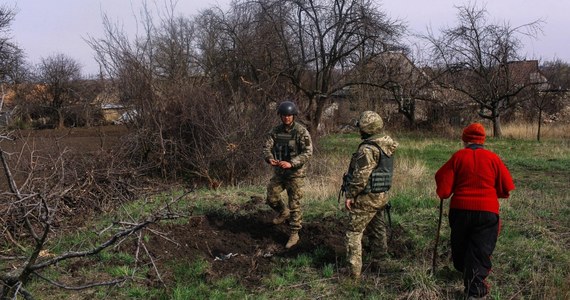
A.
x: 370, y: 122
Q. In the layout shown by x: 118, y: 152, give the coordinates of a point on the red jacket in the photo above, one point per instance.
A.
x: 476, y: 178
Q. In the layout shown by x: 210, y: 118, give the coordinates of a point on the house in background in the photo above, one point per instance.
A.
x: 112, y: 110
x: 527, y: 72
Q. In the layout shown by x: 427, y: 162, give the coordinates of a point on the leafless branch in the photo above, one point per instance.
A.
x: 81, y: 287
x: 153, y: 264
x: 161, y: 215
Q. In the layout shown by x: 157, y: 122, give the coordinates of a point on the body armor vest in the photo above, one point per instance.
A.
x: 380, y: 179
x: 285, y: 146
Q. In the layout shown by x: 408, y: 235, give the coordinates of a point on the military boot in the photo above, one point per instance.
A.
x: 293, y: 240
x: 282, y: 217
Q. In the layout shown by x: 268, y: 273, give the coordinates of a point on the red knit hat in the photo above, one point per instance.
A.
x: 474, y: 133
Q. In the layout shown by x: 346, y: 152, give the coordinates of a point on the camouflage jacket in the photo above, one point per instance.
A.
x: 363, y: 162
x: 298, y: 150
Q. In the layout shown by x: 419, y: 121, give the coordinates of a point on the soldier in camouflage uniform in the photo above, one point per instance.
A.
x: 287, y: 148
x: 368, y: 179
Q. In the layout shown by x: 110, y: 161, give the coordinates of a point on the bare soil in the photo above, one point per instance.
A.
x: 248, y: 246
x: 79, y: 140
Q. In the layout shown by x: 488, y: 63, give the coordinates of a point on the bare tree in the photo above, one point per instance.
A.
x: 312, y: 44
x: 391, y: 77
x: 59, y: 74
x: 475, y: 58
x: 541, y: 102
x: 558, y: 74
x: 190, y: 118
x: 9, y: 52
x: 12, y: 64
x: 232, y: 54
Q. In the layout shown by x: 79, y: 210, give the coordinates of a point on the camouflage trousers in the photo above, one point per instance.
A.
x: 374, y: 221
x: 294, y: 188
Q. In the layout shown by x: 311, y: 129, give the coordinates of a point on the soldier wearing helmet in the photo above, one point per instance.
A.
x: 366, y: 184
x: 287, y: 149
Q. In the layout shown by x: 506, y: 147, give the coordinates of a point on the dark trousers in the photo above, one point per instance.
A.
x: 473, y: 239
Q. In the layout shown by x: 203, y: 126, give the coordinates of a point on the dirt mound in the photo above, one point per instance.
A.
x: 244, y: 246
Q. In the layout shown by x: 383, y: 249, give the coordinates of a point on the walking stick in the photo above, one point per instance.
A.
x: 437, y: 236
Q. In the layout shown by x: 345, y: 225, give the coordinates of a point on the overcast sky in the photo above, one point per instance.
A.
x: 43, y: 27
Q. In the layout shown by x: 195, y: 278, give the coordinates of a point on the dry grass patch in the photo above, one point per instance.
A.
x: 528, y: 131
x: 325, y: 176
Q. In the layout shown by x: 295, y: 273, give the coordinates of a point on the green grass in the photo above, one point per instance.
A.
x: 531, y: 261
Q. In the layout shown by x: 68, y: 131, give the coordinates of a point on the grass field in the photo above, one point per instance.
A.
x: 531, y: 261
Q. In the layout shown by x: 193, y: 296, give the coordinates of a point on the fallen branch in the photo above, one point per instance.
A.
x: 136, y: 227
x: 153, y: 265
x: 81, y: 287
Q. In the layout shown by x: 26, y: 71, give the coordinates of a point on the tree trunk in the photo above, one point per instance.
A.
x: 539, y: 124
x: 60, y: 124
x: 87, y: 115
x: 315, y: 113
x: 3, y: 95
x: 497, y: 131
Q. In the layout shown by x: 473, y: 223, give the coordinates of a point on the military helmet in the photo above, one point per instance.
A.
x: 370, y: 122
x: 287, y: 108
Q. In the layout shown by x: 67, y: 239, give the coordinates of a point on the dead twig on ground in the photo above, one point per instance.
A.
x: 81, y: 287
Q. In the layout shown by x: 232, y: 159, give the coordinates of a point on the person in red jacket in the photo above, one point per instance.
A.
x: 474, y: 178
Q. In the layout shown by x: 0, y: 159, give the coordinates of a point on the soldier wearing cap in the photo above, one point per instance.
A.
x: 287, y: 149
x: 366, y: 183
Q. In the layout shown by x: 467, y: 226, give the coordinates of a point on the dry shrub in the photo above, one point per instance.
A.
x: 70, y: 183
x: 53, y: 191
x: 199, y: 134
